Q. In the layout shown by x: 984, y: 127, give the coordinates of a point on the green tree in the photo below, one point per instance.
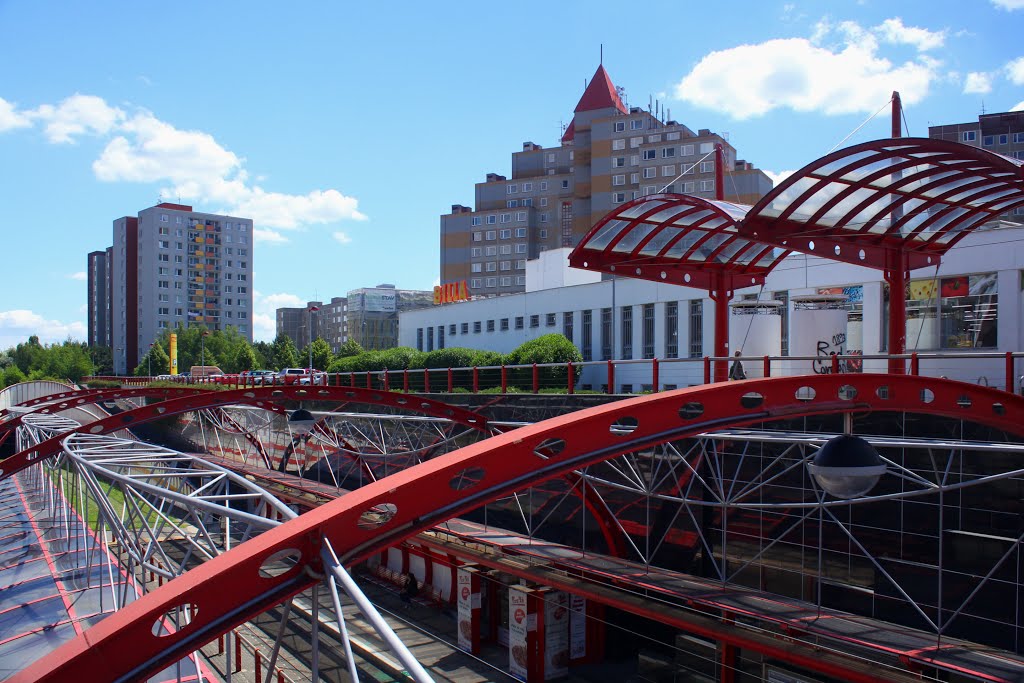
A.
x: 69, y: 360
x: 283, y: 353
x: 549, y: 348
x: 245, y: 359
x: 13, y: 375
x: 322, y: 356
x: 157, y: 359
x: 102, y: 360
x: 28, y: 355
x: 350, y: 348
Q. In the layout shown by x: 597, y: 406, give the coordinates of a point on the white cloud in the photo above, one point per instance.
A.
x: 777, y: 177
x: 893, y: 31
x: 268, y: 236
x: 1018, y: 107
x: 342, y: 238
x: 80, y: 275
x: 141, y: 148
x: 10, y: 118
x: 265, y: 312
x: 1009, y: 5
x: 264, y: 328
x: 18, y: 325
x: 798, y: 74
x: 978, y: 83
x: 77, y: 115
x: 1015, y: 71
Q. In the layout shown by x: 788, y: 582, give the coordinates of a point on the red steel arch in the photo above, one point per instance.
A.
x: 230, y: 589
x: 263, y: 397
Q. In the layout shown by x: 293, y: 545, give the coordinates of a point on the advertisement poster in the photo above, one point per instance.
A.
x: 518, y: 626
x: 465, y: 609
x: 556, y: 635
x: 380, y: 300
x: 577, y: 627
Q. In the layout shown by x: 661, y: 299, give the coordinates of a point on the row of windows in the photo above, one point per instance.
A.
x: 671, y: 318
x: 990, y: 140
x: 492, y: 266
x: 686, y: 188
x: 491, y: 282
x: 528, y: 187
x: 164, y: 218
x: 476, y: 252
x: 520, y: 216
x: 504, y: 234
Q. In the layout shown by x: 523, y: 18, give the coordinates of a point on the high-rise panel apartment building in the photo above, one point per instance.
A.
x: 1002, y: 133
x: 328, y: 322
x: 609, y: 154
x: 99, y: 291
x: 171, y: 265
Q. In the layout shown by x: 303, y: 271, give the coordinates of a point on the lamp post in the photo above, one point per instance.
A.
x: 309, y: 322
x: 202, y: 350
x: 149, y: 357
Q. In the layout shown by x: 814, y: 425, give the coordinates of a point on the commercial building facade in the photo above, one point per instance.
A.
x: 609, y: 154
x: 174, y: 266
x: 972, y: 302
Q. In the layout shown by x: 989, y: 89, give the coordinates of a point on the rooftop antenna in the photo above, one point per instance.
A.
x: 983, y: 107
x: 601, y: 59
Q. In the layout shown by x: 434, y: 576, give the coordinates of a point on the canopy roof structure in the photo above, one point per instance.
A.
x: 677, y: 238
x: 912, y: 196
x: 894, y: 204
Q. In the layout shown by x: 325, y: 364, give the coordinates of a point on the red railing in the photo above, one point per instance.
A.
x: 999, y: 370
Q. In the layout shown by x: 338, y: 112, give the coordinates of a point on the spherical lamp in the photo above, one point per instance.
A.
x: 846, y: 467
x: 301, y: 421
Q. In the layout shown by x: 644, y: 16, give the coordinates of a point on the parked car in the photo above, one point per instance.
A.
x: 290, y: 376
x: 259, y: 377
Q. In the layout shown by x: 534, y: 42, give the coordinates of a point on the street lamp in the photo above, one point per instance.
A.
x: 202, y: 350
x: 149, y: 356
x: 309, y: 321
x: 846, y: 466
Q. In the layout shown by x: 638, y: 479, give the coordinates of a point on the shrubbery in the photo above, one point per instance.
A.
x: 551, y: 348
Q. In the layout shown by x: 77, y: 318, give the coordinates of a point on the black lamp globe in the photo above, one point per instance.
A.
x: 846, y: 467
x: 301, y: 421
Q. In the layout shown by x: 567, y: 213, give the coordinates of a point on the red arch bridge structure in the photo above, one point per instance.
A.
x: 691, y: 512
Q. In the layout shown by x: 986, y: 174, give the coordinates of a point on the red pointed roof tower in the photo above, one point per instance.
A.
x: 600, y: 94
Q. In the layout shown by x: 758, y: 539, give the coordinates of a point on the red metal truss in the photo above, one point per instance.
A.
x: 677, y: 238
x: 912, y: 196
x: 262, y: 397
x: 230, y: 588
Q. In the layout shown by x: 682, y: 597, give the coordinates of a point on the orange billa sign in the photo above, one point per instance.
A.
x: 451, y: 292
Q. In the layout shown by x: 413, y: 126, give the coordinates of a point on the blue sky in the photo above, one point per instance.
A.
x: 344, y: 130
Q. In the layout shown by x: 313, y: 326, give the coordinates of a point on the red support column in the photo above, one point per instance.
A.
x: 572, y: 378
x: 476, y: 380
x: 896, y: 277
x: 504, y: 379
x: 835, y: 363
x: 707, y: 370
x: 352, y: 379
x: 257, y: 666
x: 611, y: 377
x: 387, y: 381
x: 655, y: 375
x: 238, y: 651
x: 536, y: 379
x: 915, y: 364
x: 727, y: 663
x: 767, y: 366
x: 451, y: 381
x: 405, y: 380
x: 426, y: 381
x: 720, y: 296
x: 1009, y: 372
x: 369, y: 380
